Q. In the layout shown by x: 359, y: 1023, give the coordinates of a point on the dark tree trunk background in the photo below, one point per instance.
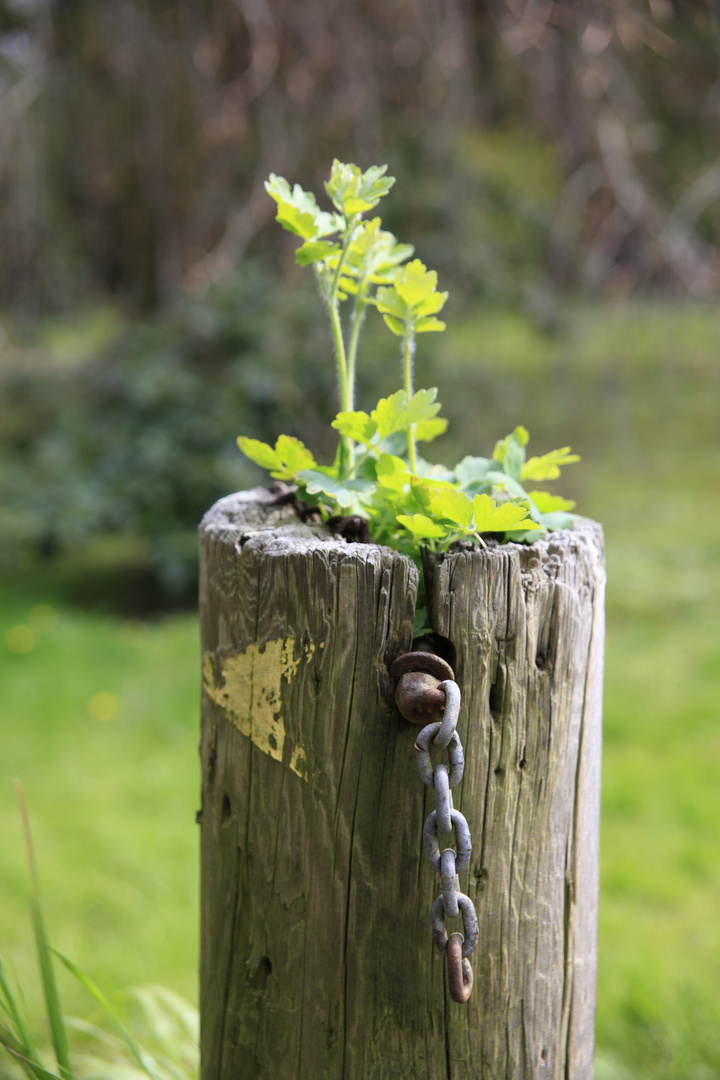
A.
x: 134, y: 138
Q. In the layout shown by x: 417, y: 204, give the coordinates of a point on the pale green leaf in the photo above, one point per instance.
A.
x: 313, y: 251
x: 389, y: 303
x: 491, y: 517
x: 424, y: 326
x: 501, y: 482
x: 547, y: 503
x: 394, y: 324
x: 389, y: 413
x: 558, y: 519
x: 353, y: 191
x: 454, y: 505
x: 396, y: 413
x: 293, y: 454
x: 414, y: 283
x: 520, y: 436
x: 547, y: 467
x: 298, y: 211
x: 357, y: 426
x: 425, y: 488
x: 437, y: 474
x: 295, y: 221
x: 345, y: 493
x: 431, y: 305
x: 472, y: 470
x: 420, y: 525
x: 427, y: 430
x: 510, y: 452
x: 392, y: 472
x: 422, y: 406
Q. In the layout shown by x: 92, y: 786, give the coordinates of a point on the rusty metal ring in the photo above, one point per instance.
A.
x: 421, y: 661
x: 460, y: 972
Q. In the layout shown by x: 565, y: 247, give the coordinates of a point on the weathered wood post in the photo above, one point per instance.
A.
x: 317, y: 960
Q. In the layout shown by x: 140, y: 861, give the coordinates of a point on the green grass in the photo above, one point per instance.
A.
x: 636, y: 391
x: 112, y: 787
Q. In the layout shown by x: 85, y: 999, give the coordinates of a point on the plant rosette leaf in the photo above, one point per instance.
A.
x: 422, y: 526
x: 491, y: 517
x: 472, y: 470
x: 346, y: 493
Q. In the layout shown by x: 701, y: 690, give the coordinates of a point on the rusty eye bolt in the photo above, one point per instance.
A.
x: 417, y: 695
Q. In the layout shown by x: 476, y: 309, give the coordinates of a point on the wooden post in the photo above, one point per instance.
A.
x: 317, y: 960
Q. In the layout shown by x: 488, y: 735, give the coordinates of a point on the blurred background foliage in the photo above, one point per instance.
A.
x: 542, y: 150
x: 559, y: 165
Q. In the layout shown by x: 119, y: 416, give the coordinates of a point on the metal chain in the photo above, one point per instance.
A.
x: 445, y: 818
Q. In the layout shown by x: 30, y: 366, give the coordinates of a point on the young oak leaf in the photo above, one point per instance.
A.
x: 454, y: 506
x: 491, y: 517
x: 547, y: 467
x: 422, y: 526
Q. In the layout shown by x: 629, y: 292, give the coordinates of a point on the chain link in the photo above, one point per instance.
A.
x: 445, y: 818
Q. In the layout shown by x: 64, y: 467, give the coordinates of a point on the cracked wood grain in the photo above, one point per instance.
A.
x: 316, y: 956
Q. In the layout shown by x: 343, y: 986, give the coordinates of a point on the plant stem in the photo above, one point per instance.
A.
x: 342, y: 372
x: 408, y: 353
x: 345, y: 386
x: 357, y: 321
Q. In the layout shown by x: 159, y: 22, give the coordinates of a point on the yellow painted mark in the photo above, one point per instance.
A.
x: 247, y: 688
x: 298, y: 763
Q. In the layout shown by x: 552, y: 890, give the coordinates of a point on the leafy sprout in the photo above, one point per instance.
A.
x: 377, y: 473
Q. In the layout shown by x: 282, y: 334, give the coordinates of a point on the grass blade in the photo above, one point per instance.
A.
x: 47, y: 972
x: 32, y: 1067
x: 136, y: 1050
x: 15, y: 1013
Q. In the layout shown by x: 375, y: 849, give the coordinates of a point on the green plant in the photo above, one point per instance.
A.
x: 377, y: 473
x: 169, y: 1024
